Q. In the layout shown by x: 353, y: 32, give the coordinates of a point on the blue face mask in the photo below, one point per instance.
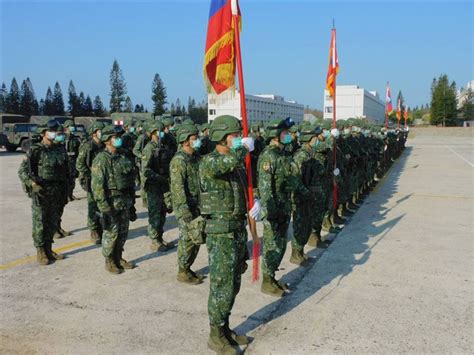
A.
x: 237, y: 143
x: 196, y: 144
x: 162, y: 135
x: 132, y: 129
x: 117, y: 142
x: 286, y: 139
x: 59, y: 138
x: 326, y: 134
x: 72, y: 129
x: 317, y: 143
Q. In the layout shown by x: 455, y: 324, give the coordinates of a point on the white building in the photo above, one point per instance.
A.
x: 355, y: 102
x: 259, y: 107
x: 462, y: 94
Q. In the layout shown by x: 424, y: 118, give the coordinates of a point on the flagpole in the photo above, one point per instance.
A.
x: 248, y: 165
x: 334, y: 147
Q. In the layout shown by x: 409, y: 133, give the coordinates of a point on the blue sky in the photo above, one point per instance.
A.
x: 284, y: 44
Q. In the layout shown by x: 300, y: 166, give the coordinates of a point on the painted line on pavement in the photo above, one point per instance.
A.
x: 460, y: 156
x: 32, y: 258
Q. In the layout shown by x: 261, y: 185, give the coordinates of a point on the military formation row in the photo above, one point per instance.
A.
x: 314, y: 174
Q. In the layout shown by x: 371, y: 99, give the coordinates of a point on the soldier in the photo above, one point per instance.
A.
x: 259, y: 147
x: 155, y: 162
x: 87, y: 152
x: 72, y: 144
x: 44, y: 174
x: 223, y: 204
x: 275, y: 185
x: 185, y: 197
x: 206, y: 144
x: 140, y: 144
x: 304, y: 203
x: 113, y: 186
x: 129, y: 139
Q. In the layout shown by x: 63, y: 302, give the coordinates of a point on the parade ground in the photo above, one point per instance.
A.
x: 398, y: 278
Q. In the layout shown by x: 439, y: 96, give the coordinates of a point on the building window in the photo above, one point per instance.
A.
x: 212, y: 112
x: 328, y: 109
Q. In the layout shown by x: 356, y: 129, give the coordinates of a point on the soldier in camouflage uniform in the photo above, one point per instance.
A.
x: 276, y: 182
x: 155, y: 162
x: 184, y: 188
x: 72, y: 144
x: 129, y: 139
x: 140, y: 144
x: 87, y: 152
x: 44, y: 174
x: 304, y: 202
x: 113, y: 183
x: 206, y: 144
x: 223, y: 205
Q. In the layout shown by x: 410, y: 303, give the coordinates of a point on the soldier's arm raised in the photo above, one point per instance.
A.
x: 225, y: 163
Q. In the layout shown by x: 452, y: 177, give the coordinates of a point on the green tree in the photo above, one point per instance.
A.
x: 48, y: 108
x: 28, y: 103
x: 128, y: 107
x: 467, y: 108
x: 87, y: 108
x: 74, y: 104
x: 13, y: 99
x: 58, y: 102
x: 139, y: 108
x: 99, y: 109
x: 443, y: 102
x: 118, y: 88
x: 41, y: 107
x: 158, y: 95
x: 178, y: 108
x: 3, y: 98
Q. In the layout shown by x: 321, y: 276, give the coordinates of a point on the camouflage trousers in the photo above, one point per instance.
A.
x: 115, y: 232
x: 187, y: 250
x: 46, y: 214
x: 93, y: 219
x: 274, y: 244
x: 319, y: 210
x: 227, y: 262
x: 156, y: 211
x: 302, y: 217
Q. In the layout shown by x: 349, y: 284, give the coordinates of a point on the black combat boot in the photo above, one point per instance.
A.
x: 51, y: 255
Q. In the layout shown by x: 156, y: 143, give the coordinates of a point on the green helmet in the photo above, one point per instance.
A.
x: 95, y: 127
x: 308, y: 132
x: 154, y: 126
x: 51, y: 125
x: 168, y: 121
x: 275, y: 127
x: 60, y: 128
x: 188, y: 121
x: 184, y: 131
x: 255, y: 126
x: 68, y: 123
x: 109, y: 131
x: 203, y: 127
x: 222, y: 126
x: 128, y: 122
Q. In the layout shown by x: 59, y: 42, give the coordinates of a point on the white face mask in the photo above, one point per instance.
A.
x: 51, y: 135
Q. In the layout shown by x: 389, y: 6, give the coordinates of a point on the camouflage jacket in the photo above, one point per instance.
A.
x: 45, y: 165
x: 87, y: 152
x: 222, y: 181
x: 184, y: 185
x: 140, y: 144
x: 304, y: 169
x: 112, y: 181
x: 154, y: 168
x: 72, y: 144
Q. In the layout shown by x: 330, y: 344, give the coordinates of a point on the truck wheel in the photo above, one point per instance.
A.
x: 11, y: 148
x: 25, y: 145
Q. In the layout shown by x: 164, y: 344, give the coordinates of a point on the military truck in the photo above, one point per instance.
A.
x: 85, y: 122
x: 43, y: 119
x: 15, y: 130
x: 118, y: 118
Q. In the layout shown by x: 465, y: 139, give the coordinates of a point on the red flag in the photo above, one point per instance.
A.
x: 333, y: 67
x: 388, y: 101
x: 219, y: 59
x: 399, y: 110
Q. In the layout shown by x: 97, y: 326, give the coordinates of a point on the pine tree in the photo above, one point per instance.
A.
x: 179, y: 112
x: 118, y: 88
x: 128, y: 107
x: 3, y: 98
x: 27, y: 104
x: 34, y: 101
x: 88, y: 110
x: 58, y: 102
x: 81, y: 102
x: 158, y: 95
x: 41, y: 107
x: 443, y: 107
x: 48, y: 103
x: 172, y: 110
x: 99, y: 110
x: 138, y: 108
x: 74, y: 104
x: 13, y: 99
x: 467, y: 108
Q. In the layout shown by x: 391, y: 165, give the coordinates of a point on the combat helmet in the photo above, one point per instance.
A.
x: 51, y: 125
x: 68, y: 123
x: 308, y: 132
x: 95, y: 127
x: 222, y: 126
x: 154, y: 126
x: 110, y: 131
x: 184, y: 131
x: 275, y: 127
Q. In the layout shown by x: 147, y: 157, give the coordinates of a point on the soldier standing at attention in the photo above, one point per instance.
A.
x: 276, y: 182
x: 304, y: 200
x: 72, y: 144
x: 129, y: 139
x: 87, y: 152
x: 113, y: 183
x: 44, y: 174
x: 223, y: 204
x: 140, y: 144
x: 154, y: 178
x: 184, y: 177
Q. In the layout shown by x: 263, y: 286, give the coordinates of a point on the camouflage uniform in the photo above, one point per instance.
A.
x: 222, y: 203
x: 44, y: 174
x: 72, y: 144
x: 155, y: 162
x: 140, y: 144
x: 87, y: 152
x: 129, y: 139
x: 184, y: 186
x: 113, y: 187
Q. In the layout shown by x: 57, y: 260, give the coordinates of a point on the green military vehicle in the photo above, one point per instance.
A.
x: 16, y: 131
x: 83, y: 123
